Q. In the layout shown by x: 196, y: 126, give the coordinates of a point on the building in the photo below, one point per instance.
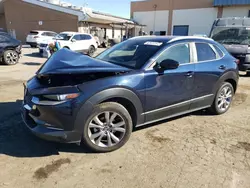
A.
x: 185, y: 17
x: 19, y: 17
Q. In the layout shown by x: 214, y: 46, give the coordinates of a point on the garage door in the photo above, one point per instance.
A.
x: 181, y: 30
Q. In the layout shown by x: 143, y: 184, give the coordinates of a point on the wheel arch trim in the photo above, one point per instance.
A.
x: 86, y: 109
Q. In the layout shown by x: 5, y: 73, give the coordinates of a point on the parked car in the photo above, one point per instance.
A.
x: 78, y: 42
x: 75, y: 98
x: 35, y: 37
x: 10, y: 49
x: 234, y: 34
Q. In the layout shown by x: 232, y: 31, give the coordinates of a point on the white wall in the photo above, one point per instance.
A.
x: 200, y: 21
x: 147, y: 18
x: 117, y: 33
x: 235, y: 11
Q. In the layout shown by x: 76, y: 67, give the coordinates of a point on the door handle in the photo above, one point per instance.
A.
x: 190, y: 74
x: 222, y: 67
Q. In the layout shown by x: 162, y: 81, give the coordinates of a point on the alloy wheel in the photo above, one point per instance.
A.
x: 11, y: 58
x: 225, y: 98
x: 106, y: 129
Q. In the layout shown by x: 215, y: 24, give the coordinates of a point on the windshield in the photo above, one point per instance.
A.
x: 231, y: 35
x: 131, y: 53
x: 63, y: 36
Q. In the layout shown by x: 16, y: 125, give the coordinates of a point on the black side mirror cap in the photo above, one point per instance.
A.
x: 167, y: 64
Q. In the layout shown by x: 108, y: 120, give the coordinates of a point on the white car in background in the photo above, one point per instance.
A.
x: 78, y: 42
x: 35, y: 37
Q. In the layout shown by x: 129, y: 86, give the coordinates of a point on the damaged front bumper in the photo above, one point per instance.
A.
x: 50, y: 122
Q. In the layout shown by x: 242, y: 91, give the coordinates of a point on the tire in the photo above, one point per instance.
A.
x: 120, y: 116
x: 248, y: 73
x: 91, y: 51
x: 222, y: 103
x: 10, y: 57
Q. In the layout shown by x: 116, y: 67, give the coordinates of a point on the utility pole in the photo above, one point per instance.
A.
x: 155, y: 7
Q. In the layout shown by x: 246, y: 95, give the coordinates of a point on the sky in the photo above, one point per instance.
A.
x: 115, y: 7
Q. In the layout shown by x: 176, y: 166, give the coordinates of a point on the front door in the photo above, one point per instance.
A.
x: 169, y: 93
x: 76, y: 43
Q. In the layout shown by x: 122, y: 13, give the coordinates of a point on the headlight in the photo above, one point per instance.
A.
x: 62, y: 97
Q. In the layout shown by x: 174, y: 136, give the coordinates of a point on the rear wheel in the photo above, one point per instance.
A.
x: 91, y: 51
x: 223, y: 99
x: 248, y: 73
x: 108, y: 127
x: 10, y: 57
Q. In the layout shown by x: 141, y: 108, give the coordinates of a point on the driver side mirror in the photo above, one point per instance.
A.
x: 167, y: 64
x: 73, y: 40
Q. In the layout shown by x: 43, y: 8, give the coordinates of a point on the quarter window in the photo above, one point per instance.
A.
x: 218, y: 51
x: 205, y: 52
x: 179, y: 53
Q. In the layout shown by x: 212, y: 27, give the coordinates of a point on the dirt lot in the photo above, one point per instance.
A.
x: 196, y: 150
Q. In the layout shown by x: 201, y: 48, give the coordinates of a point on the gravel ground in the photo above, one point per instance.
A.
x: 195, y: 150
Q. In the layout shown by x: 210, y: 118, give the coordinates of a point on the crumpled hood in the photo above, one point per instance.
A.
x: 68, y: 62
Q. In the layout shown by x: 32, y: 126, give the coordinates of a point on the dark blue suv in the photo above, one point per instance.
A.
x: 74, y: 98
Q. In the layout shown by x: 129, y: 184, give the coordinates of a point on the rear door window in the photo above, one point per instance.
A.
x: 205, y: 52
x: 45, y: 34
x: 85, y: 37
x: 51, y: 34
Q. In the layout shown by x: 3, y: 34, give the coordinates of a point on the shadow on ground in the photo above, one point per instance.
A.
x: 35, y: 54
x: 17, y: 141
x: 32, y: 63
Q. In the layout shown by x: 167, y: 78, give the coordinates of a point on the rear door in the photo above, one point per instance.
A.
x: 86, y: 41
x: 209, y: 67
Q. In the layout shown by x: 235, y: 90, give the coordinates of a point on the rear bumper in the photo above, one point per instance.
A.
x: 244, y: 67
x: 244, y: 64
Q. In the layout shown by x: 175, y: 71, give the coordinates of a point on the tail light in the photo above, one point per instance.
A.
x: 237, y: 61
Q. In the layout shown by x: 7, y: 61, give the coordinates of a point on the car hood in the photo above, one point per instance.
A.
x: 236, y: 48
x: 68, y: 62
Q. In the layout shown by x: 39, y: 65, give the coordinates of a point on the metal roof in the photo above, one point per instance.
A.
x: 231, y: 2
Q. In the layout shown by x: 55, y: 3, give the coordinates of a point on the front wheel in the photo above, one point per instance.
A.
x: 108, y: 127
x: 10, y: 57
x: 223, y: 99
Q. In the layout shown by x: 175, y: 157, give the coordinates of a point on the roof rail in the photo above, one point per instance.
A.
x: 189, y: 37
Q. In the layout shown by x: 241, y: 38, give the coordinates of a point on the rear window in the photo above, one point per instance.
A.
x: 33, y: 33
